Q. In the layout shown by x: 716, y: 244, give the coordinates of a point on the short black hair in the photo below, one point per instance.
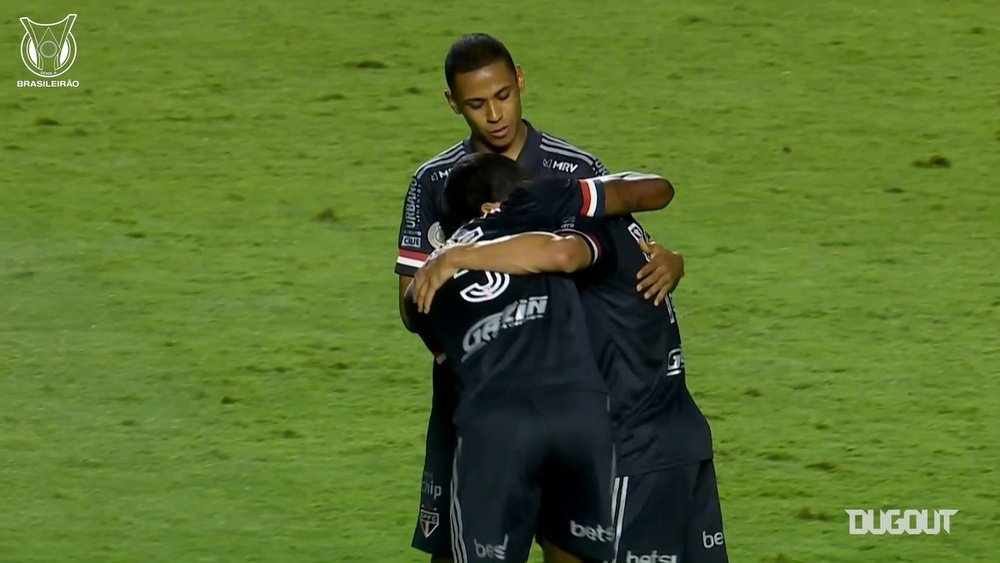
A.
x: 478, y: 178
x: 473, y: 52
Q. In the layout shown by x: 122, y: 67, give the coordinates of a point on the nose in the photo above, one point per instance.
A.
x: 493, y: 113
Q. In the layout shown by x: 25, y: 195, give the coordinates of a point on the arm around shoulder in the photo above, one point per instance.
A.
x: 631, y: 192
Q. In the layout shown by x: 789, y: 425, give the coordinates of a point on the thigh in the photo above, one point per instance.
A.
x: 495, y: 495
x: 433, y: 530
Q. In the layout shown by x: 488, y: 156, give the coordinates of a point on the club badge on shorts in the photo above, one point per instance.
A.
x: 429, y: 520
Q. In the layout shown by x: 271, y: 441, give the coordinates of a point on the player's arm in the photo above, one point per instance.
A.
x: 404, y: 315
x: 617, y: 194
x: 660, y: 276
x: 414, y: 244
x: 527, y: 253
x: 417, y: 322
x: 633, y: 192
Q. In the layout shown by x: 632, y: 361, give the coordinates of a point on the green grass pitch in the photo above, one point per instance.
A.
x: 200, y: 355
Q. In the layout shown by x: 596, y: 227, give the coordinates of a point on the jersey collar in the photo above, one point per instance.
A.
x: 531, y: 152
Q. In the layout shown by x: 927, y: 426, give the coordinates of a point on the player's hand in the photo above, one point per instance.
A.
x: 431, y: 276
x: 661, y: 275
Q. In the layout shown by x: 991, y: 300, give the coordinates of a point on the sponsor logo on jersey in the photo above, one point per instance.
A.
x: 440, y: 175
x: 411, y: 208
x: 675, y: 362
x: 513, y: 315
x: 562, y: 166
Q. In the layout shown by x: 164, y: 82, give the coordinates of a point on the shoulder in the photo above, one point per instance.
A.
x: 468, y: 233
x: 542, y: 190
x: 560, y: 154
x: 436, y: 169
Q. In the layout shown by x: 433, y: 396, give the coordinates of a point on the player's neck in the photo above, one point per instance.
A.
x: 513, y: 150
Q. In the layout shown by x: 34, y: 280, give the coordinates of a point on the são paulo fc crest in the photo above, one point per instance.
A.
x: 429, y: 521
x: 48, y: 49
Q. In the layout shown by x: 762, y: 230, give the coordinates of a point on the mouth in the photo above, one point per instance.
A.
x: 499, y: 133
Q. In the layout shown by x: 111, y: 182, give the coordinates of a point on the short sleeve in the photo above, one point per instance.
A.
x: 595, y: 234
x: 599, y: 168
x: 561, y: 198
x: 417, y: 228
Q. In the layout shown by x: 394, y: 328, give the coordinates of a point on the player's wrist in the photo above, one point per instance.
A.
x: 456, y: 257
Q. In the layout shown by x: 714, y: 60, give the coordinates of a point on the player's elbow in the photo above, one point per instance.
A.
x: 661, y: 195
x: 568, y: 255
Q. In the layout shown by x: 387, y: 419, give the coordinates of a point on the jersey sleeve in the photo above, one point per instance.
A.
x: 420, y: 218
x: 598, y: 169
x: 569, y: 198
x: 595, y: 233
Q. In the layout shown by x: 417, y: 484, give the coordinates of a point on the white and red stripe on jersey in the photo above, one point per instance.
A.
x: 411, y: 258
x: 593, y: 197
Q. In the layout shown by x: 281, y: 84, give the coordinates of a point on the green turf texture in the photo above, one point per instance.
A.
x: 200, y: 354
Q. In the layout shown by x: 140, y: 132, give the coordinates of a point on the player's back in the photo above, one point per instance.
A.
x: 506, y: 335
x: 638, y: 346
x: 532, y: 417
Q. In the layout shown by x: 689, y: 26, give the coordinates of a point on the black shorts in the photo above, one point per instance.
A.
x: 432, y: 534
x: 669, y: 516
x: 542, y: 462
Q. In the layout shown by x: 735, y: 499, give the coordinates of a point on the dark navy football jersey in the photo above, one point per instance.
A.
x: 638, y: 350
x: 543, y: 156
x: 503, y: 334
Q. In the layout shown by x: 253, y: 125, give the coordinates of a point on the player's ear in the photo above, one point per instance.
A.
x: 451, y: 101
x: 519, y: 72
x: 489, y: 207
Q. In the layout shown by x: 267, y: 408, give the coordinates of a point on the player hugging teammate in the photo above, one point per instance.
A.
x: 560, y: 408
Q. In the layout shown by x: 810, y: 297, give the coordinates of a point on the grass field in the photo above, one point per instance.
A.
x: 200, y: 355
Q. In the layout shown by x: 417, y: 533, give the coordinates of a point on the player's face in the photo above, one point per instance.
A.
x: 490, y: 101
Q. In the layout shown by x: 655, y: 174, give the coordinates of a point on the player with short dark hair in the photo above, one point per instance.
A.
x: 534, y: 436
x: 485, y: 87
x: 666, y: 504
x: 473, y: 52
